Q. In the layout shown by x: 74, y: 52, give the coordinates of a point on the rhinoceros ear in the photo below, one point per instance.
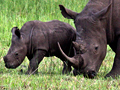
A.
x: 102, y: 14
x: 15, y: 31
x: 76, y: 45
x: 79, y: 47
x: 67, y: 13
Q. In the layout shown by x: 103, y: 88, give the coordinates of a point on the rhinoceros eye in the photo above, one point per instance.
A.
x: 96, y: 48
x: 16, y: 53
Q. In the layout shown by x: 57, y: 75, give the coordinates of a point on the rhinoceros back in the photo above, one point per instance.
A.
x: 45, y: 35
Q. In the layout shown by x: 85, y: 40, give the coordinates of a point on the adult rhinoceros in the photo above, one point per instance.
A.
x: 97, y: 25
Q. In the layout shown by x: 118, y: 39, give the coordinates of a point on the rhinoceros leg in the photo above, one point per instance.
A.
x: 34, y: 62
x: 67, y: 68
x: 116, y: 65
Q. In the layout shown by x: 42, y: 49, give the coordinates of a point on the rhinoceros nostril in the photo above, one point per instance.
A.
x: 90, y: 74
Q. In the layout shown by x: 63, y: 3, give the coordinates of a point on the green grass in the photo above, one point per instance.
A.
x: 16, y: 13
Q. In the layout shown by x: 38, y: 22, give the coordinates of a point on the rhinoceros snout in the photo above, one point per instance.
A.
x: 5, y: 59
x: 7, y: 63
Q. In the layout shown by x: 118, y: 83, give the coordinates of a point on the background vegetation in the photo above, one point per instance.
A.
x: 16, y: 13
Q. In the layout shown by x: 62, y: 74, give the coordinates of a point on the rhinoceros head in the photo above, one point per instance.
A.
x: 17, y: 50
x: 91, y: 42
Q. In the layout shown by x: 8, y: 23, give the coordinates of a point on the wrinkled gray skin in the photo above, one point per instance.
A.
x: 97, y: 25
x: 37, y: 39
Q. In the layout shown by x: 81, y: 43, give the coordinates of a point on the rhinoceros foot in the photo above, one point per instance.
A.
x: 112, y: 75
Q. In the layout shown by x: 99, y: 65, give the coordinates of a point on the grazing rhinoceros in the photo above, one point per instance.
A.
x: 97, y: 25
x: 37, y: 39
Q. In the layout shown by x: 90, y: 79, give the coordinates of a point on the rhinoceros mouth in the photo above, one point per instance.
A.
x: 90, y: 74
x: 9, y: 66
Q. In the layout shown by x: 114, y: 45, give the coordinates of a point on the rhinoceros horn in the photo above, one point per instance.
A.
x: 70, y: 59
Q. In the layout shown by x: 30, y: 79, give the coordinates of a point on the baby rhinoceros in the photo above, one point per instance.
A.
x: 38, y: 39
